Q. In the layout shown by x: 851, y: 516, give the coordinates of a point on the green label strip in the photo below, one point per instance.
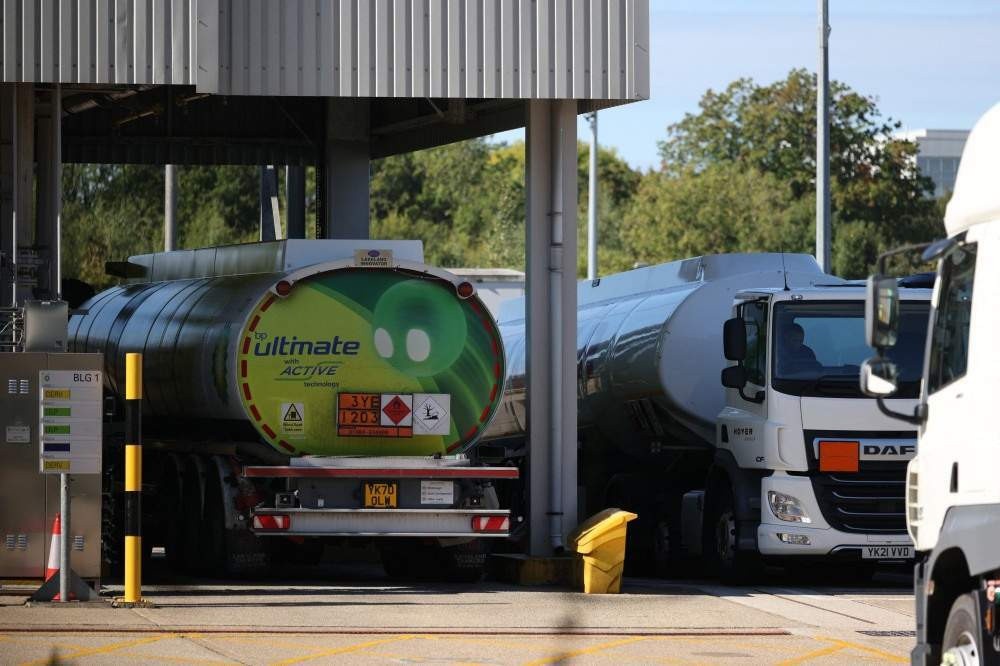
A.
x: 58, y: 411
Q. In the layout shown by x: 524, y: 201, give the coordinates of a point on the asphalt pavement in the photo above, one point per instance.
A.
x: 363, y: 618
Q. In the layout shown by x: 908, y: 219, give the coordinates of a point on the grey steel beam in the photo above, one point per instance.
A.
x: 592, y: 201
x: 346, y: 169
x: 16, y: 184
x: 48, y: 239
x: 8, y: 192
x: 824, y: 224
x: 551, y: 188
x: 170, y: 207
x: 270, y: 216
x: 295, y: 201
x: 24, y: 218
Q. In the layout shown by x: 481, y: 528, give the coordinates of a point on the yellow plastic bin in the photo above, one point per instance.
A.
x: 601, y: 541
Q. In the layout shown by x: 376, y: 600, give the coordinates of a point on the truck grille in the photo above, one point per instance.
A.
x: 869, y: 502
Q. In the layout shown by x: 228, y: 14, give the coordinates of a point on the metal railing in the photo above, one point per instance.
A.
x: 11, y: 329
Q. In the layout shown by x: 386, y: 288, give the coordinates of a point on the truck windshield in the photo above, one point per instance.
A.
x: 819, y: 347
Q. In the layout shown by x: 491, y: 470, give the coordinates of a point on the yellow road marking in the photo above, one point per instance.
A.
x: 889, y: 656
x: 182, y: 660
x: 343, y: 650
x: 836, y: 645
x: 105, y: 649
x: 562, y: 656
x: 815, y: 654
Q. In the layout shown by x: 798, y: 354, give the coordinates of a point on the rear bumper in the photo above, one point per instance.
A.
x: 445, y: 523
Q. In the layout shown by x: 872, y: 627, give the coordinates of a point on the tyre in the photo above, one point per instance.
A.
x: 962, y: 642
x: 721, y: 540
x: 406, y: 559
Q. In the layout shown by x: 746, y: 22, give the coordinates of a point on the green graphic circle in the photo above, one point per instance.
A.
x: 419, y: 328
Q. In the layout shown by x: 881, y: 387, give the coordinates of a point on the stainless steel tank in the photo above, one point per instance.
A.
x: 649, y: 349
x: 333, y: 358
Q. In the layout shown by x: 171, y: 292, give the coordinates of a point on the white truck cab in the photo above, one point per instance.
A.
x: 831, y: 464
x: 953, y: 487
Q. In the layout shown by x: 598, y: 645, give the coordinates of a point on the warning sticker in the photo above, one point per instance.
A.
x: 431, y: 416
x: 293, y: 418
x: 437, y: 492
x: 370, y: 415
x: 397, y: 409
x: 18, y: 434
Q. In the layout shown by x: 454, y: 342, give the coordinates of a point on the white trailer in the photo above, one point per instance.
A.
x: 953, y: 487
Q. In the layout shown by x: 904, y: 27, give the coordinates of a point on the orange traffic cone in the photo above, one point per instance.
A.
x: 52, y: 568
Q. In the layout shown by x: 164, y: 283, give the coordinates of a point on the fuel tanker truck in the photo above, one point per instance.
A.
x: 299, y: 391
x: 718, y: 399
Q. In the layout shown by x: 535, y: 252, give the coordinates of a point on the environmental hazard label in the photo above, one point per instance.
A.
x: 293, y: 418
x: 431, y: 414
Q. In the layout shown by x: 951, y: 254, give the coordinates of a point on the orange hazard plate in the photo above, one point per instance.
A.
x: 381, y: 495
x: 837, y: 456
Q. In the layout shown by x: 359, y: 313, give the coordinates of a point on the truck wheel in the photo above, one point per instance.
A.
x: 721, y: 539
x: 962, y: 641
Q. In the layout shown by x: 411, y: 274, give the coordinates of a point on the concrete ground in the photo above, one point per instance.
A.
x: 369, y: 620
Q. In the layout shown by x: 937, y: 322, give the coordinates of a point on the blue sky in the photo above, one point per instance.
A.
x: 930, y: 64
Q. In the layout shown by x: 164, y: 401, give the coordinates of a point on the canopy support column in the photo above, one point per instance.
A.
x: 551, y: 257
x: 346, y: 169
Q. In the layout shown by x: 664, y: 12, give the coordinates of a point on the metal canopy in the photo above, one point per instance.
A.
x: 178, y: 125
x: 463, y: 49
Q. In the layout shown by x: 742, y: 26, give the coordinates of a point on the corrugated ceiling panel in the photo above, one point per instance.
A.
x: 583, y: 49
x: 102, y: 41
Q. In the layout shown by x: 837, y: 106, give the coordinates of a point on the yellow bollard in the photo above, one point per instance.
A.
x: 601, y: 541
x: 133, y: 481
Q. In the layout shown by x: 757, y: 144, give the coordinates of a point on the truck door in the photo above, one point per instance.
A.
x: 742, y: 421
x: 953, y: 436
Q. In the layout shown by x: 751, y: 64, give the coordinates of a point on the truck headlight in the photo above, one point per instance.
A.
x: 786, y: 507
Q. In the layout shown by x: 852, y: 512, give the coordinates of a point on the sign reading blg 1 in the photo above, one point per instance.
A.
x: 69, y: 429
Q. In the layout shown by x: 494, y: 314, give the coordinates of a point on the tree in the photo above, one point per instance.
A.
x: 879, y: 198
x: 723, y: 207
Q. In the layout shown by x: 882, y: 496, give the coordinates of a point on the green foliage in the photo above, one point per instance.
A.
x: 736, y: 176
x: 879, y: 200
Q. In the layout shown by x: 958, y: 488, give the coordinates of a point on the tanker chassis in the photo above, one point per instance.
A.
x: 783, y: 458
x: 296, y: 392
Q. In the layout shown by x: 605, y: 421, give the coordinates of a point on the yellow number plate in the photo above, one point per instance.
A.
x: 381, y: 495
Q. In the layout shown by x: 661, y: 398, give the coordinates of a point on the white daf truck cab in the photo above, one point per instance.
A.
x: 953, y: 486
x: 823, y: 464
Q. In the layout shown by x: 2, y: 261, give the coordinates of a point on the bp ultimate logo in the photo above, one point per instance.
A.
x: 285, y: 346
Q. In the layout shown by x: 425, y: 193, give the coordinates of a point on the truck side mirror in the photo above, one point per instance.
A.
x: 881, y: 312
x: 734, y: 340
x: 879, y: 377
x: 735, y: 376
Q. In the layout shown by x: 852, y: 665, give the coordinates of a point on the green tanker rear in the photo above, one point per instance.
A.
x: 368, y: 356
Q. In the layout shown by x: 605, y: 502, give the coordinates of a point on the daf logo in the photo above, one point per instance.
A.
x: 888, y: 449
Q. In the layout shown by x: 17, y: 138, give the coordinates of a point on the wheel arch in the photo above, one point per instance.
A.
x: 949, y: 578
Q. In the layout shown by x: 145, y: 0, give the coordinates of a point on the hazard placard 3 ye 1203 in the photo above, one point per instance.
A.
x: 393, y: 414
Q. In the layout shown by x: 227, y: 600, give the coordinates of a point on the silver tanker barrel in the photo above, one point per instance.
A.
x: 649, y: 349
x: 318, y: 356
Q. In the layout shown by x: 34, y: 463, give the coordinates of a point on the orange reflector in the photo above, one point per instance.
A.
x: 838, y: 456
